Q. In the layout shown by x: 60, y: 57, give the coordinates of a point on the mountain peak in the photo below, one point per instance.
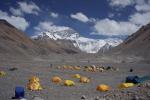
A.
x: 84, y: 44
x: 60, y: 33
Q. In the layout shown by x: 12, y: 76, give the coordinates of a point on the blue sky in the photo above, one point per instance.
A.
x: 90, y: 18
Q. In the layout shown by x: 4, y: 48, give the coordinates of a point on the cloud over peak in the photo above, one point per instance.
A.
x: 48, y: 25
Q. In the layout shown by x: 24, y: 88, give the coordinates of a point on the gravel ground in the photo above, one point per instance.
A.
x: 53, y: 91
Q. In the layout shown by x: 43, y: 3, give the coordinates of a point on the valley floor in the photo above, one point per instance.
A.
x: 52, y: 91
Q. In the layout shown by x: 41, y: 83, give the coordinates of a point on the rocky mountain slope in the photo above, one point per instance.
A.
x: 136, y: 45
x: 84, y: 44
x: 14, y: 42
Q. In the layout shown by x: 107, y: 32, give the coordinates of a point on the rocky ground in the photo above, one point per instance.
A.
x: 87, y: 91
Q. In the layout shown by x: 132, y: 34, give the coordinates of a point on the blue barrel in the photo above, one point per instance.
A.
x: 19, y: 92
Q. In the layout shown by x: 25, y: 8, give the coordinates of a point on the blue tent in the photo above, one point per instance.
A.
x: 136, y: 79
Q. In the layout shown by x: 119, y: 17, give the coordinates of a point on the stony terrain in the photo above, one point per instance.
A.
x: 52, y: 91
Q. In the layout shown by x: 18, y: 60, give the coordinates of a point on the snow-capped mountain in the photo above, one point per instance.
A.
x: 105, y: 48
x: 84, y: 44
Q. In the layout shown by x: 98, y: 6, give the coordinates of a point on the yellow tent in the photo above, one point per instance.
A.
x: 2, y: 73
x: 102, y: 87
x: 77, y: 68
x: 125, y: 85
x: 84, y: 80
x: 77, y: 76
x: 34, y: 84
x: 56, y: 79
x: 69, y: 83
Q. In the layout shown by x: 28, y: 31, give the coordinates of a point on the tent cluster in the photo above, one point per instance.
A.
x: 91, y: 68
x: 34, y: 84
x: 94, y: 68
x: 69, y: 67
x: 104, y: 87
x: 2, y: 73
x: 129, y: 82
x: 82, y: 79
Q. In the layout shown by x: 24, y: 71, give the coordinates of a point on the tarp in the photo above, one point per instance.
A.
x: 144, y: 78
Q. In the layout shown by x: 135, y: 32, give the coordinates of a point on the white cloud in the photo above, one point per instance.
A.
x: 54, y: 15
x: 135, y: 21
x: 43, y: 26
x: 140, y: 18
x: 16, y: 12
x: 121, y: 3
x: 113, y: 28
x: 24, y: 7
x: 47, y: 25
x: 140, y: 5
x: 111, y: 15
x: 143, y: 5
x: 18, y: 22
x: 80, y: 16
x: 30, y: 8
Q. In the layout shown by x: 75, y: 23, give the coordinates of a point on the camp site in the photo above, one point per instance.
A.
x: 74, y: 49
